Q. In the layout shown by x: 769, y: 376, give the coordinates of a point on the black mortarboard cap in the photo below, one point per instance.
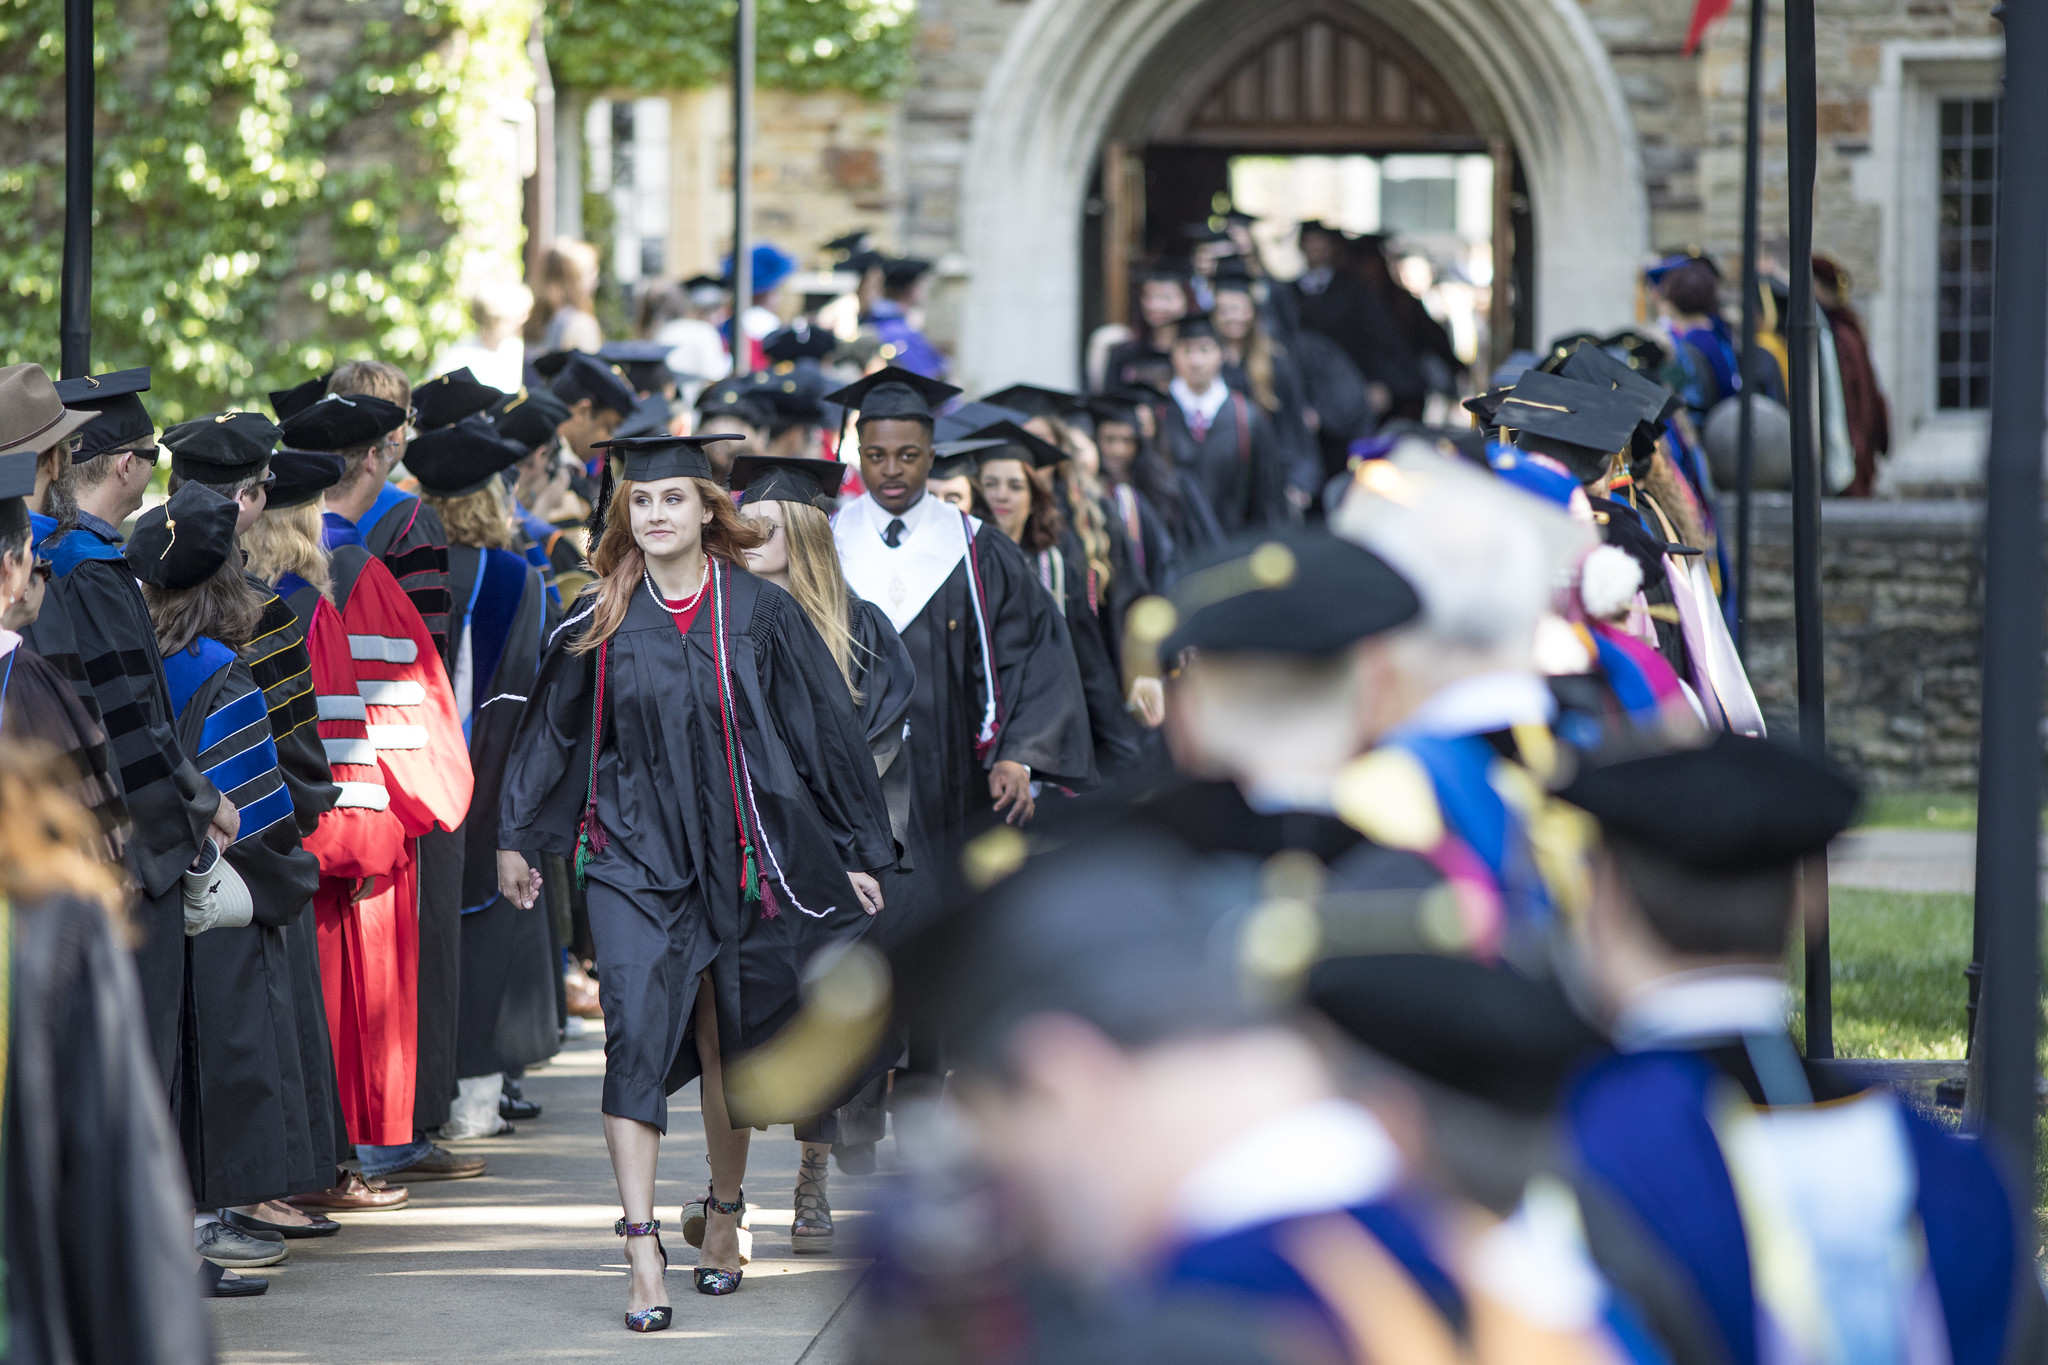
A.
x: 1111, y: 407
x: 799, y: 341
x: 448, y: 398
x: 1298, y: 592
x: 1232, y: 273
x: 1202, y: 232
x: 124, y: 423
x: 779, y: 478
x: 461, y: 457
x: 663, y: 457
x: 531, y: 417
x: 969, y: 418
x: 649, y: 417
x: 893, y: 392
x: 1589, y: 363
x: 742, y: 397
x: 899, y: 271
x: 1578, y: 423
x: 183, y: 542
x: 1732, y: 805
x: 955, y: 459
x: 299, y: 476
x: 296, y: 399
x: 704, y: 283
x: 1163, y: 272
x: 796, y: 392
x: 1019, y: 444
x: 576, y: 375
x: 844, y: 246
x: 1486, y: 406
x: 342, y: 422
x: 17, y: 482
x: 1488, y: 1032
x: 226, y: 447
x: 1119, y: 932
x: 1191, y: 326
x: 645, y: 362
x: 1034, y: 401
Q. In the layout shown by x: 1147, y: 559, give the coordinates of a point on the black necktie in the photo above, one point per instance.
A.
x: 892, y: 534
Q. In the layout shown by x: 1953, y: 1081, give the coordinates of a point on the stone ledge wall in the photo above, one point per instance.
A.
x: 1902, y: 606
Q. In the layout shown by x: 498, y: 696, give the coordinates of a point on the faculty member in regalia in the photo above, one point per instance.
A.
x: 691, y: 743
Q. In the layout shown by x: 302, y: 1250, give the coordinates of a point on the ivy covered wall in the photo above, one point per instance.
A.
x: 277, y: 183
x: 643, y: 46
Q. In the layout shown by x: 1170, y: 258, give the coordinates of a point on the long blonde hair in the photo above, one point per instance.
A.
x: 818, y: 585
x: 620, y: 564
x: 287, y: 540
x: 482, y: 519
x: 1084, y: 502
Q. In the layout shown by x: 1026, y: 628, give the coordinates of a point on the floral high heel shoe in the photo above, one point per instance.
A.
x: 647, y: 1319
x: 710, y: 1279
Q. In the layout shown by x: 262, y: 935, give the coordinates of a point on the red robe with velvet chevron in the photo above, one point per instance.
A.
x: 388, y: 723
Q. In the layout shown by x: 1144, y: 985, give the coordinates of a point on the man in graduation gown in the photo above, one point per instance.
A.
x: 1219, y: 438
x: 999, y: 704
x: 1741, y: 1161
x: 902, y: 344
x: 171, y: 804
x: 1454, y: 705
x: 407, y: 537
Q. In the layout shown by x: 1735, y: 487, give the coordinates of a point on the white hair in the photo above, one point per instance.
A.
x: 1484, y: 557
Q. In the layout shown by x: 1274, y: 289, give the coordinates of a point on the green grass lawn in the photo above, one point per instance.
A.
x: 1898, y: 972
x: 1919, y: 810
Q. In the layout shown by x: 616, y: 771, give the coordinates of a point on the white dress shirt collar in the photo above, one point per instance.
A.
x: 1207, y: 403
x: 1714, y: 1003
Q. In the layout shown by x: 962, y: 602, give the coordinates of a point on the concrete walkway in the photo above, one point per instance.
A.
x: 1905, y: 860
x: 521, y: 1265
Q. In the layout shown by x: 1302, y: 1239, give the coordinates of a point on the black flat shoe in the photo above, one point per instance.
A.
x: 517, y: 1111
x: 233, y: 1286
x: 289, y: 1232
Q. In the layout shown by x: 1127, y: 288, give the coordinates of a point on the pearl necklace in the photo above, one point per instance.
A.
x: 688, y: 602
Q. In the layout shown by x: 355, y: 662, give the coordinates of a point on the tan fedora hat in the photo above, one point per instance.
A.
x: 32, y: 417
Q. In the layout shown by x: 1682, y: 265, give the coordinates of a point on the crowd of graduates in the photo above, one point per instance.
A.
x: 1287, y: 903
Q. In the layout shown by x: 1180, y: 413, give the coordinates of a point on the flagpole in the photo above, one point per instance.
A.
x: 74, y: 308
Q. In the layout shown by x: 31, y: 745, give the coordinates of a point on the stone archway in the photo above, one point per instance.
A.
x: 1073, y: 71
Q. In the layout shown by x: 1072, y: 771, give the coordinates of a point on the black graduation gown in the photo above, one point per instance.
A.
x: 169, y: 803
x: 279, y: 664
x: 1061, y: 572
x: 1041, y: 706
x: 248, y: 1124
x: 509, y: 970
x: 885, y: 679
x: 665, y: 893
x: 37, y: 703
x: 1239, y: 472
x: 99, y: 1244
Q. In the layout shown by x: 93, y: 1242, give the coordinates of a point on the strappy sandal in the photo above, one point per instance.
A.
x: 647, y: 1319
x: 712, y: 1280
x: 810, y: 1233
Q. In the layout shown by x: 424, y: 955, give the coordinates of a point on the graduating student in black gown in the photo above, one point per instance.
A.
x: 791, y: 499
x: 999, y: 703
x: 1016, y: 483
x: 691, y: 743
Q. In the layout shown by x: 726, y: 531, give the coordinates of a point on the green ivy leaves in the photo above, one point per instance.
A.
x: 646, y: 46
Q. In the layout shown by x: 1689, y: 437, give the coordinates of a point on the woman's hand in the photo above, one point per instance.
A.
x: 868, y: 889
x: 1009, y: 783
x: 1147, y: 702
x: 517, y: 882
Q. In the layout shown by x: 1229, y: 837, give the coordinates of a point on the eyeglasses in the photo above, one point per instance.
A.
x: 148, y: 454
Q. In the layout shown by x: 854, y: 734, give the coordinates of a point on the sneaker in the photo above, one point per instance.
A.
x: 438, y: 1164
x: 234, y: 1249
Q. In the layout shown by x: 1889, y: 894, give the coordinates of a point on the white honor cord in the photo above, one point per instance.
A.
x: 988, y: 656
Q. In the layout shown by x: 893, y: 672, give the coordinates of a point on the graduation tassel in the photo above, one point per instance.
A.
x: 591, y: 839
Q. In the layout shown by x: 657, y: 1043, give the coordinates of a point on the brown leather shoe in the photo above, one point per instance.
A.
x: 355, y: 1195
x: 440, y: 1164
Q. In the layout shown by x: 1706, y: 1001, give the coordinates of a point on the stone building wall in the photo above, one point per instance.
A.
x: 1901, y: 604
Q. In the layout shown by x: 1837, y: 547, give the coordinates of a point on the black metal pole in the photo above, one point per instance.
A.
x: 742, y: 183
x: 2009, y: 774
x: 1745, y: 449
x: 1800, y: 342
x: 74, y: 321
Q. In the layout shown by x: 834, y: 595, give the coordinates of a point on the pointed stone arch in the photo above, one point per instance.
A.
x: 1073, y: 72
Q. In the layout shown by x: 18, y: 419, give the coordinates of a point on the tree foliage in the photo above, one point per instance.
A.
x: 643, y: 46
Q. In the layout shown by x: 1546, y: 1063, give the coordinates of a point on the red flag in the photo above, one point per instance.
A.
x: 1704, y: 12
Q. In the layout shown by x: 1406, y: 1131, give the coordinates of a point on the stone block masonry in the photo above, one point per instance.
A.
x: 1902, y: 606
